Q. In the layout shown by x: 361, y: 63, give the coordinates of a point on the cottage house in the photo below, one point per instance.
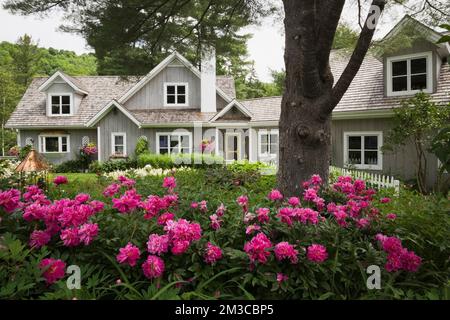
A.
x: 176, y: 106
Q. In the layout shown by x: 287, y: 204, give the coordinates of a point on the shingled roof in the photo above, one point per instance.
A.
x: 31, y: 110
x: 366, y: 93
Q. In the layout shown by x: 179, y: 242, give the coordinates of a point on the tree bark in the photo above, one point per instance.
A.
x: 309, y: 98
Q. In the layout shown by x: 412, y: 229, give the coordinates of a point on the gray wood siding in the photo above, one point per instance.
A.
x: 116, y: 121
x: 75, y: 142
x: 151, y: 96
x: 400, y: 162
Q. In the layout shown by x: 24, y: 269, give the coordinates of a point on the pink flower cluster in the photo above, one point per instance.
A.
x: 169, y: 183
x: 128, y: 202
x: 68, y: 217
x: 257, y: 248
x: 129, y: 254
x: 181, y: 234
x: 153, y: 267
x: 52, y: 270
x: 398, y: 258
x: 212, y: 253
x: 275, y: 195
x: 10, y: 200
x: 60, y: 180
x: 317, y: 253
x: 284, y: 250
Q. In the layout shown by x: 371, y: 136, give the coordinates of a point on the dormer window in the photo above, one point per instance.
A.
x: 60, y: 104
x: 407, y: 75
x: 176, y: 95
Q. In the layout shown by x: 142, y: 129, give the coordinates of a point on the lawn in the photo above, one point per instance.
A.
x: 182, y: 243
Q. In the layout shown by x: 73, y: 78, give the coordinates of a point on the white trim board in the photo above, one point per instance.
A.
x: 41, y: 143
x: 113, y: 143
x: 59, y: 94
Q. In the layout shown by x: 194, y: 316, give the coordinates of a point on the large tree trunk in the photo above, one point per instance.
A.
x: 305, y: 145
x: 310, y: 97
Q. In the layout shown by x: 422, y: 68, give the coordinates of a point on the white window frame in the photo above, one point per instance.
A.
x: 429, y: 89
x: 170, y: 134
x: 176, y: 84
x: 362, y: 134
x: 59, y: 94
x: 42, y: 146
x: 269, y: 133
x: 113, y: 143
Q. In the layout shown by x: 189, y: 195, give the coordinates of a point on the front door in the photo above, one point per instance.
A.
x: 232, y: 146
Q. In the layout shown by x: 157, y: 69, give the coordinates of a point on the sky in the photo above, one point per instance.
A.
x: 266, y: 48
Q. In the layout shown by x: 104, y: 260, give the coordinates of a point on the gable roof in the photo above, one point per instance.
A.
x: 74, y: 83
x: 153, y: 73
x: 231, y: 105
x: 426, y: 32
x: 106, y: 109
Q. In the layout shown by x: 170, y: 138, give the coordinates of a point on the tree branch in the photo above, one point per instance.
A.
x: 356, y: 59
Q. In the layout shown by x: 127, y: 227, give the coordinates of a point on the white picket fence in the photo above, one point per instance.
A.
x: 377, y: 180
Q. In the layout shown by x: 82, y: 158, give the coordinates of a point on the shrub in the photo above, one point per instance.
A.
x: 71, y: 166
x: 164, y: 161
x: 112, y: 165
x: 141, y: 146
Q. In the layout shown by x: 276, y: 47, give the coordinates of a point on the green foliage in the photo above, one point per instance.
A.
x: 417, y: 120
x: 141, y: 146
x: 345, y: 37
x: 445, y: 38
x: 440, y: 146
x: 112, y: 165
x: 71, y: 166
x: 164, y: 161
x: 24, y: 151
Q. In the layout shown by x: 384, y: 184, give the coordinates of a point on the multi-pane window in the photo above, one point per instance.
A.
x: 174, y: 143
x: 268, y: 143
x: 363, y: 150
x: 409, y: 75
x: 60, y: 105
x: 54, y: 144
x: 119, y: 143
x: 176, y: 94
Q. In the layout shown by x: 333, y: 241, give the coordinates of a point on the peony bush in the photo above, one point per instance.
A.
x: 131, y: 245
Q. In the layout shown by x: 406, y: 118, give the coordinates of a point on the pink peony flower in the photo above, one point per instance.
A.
x: 129, y: 254
x: 252, y: 228
x: 215, y: 222
x: 391, y: 216
x: 275, y: 195
x: 158, y: 244
x: 281, y: 277
x: 317, y: 253
x: 82, y: 198
x: 126, y: 182
x: 263, y: 214
x: 97, y: 206
x: 70, y: 237
x: 310, y: 194
x: 363, y: 223
x: 249, y: 217
x: 203, y: 205
x: 221, y: 210
x: 111, y: 190
x: 385, y: 200
x: 170, y: 183
x: 153, y: 267
x: 52, y: 270
x: 128, y: 202
x: 285, y: 215
x: 39, y: 238
x: 162, y: 220
x: 212, y: 253
x: 179, y: 247
x: 243, y: 202
x: 284, y: 250
x: 60, y: 180
x: 194, y: 205
x: 88, y: 232
x: 410, y: 261
x: 294, y: 201
x: 257, y: 248
x: 10, y: 200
